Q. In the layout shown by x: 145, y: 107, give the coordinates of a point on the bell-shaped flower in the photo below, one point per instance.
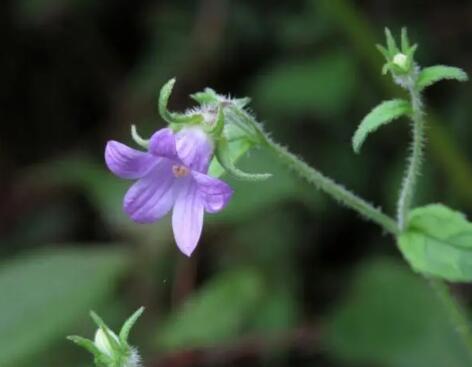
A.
x: 172, y: 174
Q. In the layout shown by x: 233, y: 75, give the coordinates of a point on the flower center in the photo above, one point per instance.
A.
x: 179, y: 171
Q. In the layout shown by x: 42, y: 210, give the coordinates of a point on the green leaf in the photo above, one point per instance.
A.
x: 438, y: 242
x: 392, y: 318
x: 46, y: 292
x: 214, y: 314
x: 380, y: 115
x: 430, y: 75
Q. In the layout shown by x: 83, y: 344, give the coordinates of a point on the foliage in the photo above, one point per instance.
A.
x: 80, y: 72
x: 45, y: 292
x: 216, y: 314
x: 383, y: 114
x: 429, y: 76
x: 438, y: 242
x: 391, y: 318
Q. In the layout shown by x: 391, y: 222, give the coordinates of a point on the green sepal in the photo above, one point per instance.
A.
x: 241, y: 102
x: 100, y: 359
x: 383, y: 51
x: 237, y: 150
x: 128, y: 324
x: 210, y: 97
x: 391, y: 44
x: 118, y: 352
x: 386, y: 68
x: 138, y: 139
x: 392, y: 50
x: 217, y: 128
x: 223, y: 155
x: 246, y: 123
x: 410, y: 57
x: 207, y: 97
x: 85, y: 343
x: 101, y: 324
x: 405, y: 42
x: 173, y: 117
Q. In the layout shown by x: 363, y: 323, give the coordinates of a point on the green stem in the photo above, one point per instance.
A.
x: 350, y: 19
x: 415, y: 159
x: 457, y: 314
x: 326, y: 184
x: 316, y: 178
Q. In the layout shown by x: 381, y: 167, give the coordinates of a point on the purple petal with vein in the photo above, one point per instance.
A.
x: 162, y: 144
x: 194, y: 148
x: 126, y: 162
x: 172, y: 174
x: 187, y: 218
x: 214, y: 193
x: 151, y: 197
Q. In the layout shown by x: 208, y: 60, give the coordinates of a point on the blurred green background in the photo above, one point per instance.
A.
x: 283, y: 277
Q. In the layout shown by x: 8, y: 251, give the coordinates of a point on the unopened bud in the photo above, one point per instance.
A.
x: 102, y: 343
x: 401, y: 60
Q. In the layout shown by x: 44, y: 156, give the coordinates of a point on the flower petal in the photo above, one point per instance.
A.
x: 126, y: 162
x: 214, y: 193
x: 187, y: 217
x: 162, y: 144
x: 152, y: 197
x: 194, y: 148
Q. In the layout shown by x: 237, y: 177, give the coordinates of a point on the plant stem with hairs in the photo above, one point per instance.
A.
x: 415, y: 159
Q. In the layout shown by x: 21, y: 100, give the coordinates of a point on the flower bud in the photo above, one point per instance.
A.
x: 109, y: 349
x: 102, y: 343
x: 401, y: 60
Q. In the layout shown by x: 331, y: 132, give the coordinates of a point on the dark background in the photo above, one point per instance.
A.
x: 284, y: 276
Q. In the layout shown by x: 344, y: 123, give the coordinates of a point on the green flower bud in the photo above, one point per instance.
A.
x: 109, y: 349
x: 102, y: 343
x: 401, y: 60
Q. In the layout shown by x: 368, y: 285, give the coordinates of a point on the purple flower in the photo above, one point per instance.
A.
x: 171, y: 175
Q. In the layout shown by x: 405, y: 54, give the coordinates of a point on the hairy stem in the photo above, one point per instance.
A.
x: 320, y: 181
x: 414, y: 161
x: 456, y: 313
x: 336, y: 191
x: 347, y: 198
